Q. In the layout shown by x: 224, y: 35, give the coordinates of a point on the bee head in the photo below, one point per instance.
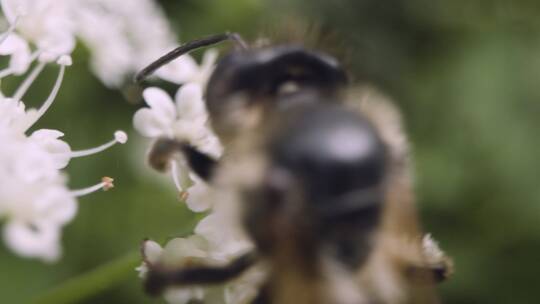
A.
x: 247, y: 84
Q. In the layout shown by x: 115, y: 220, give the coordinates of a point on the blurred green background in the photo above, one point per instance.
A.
x: 466, y: 74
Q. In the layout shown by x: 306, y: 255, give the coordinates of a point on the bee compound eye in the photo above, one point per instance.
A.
x: 333, y: 151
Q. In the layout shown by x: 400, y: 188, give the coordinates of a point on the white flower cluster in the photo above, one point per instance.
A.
x: 184, y: 118
x: 217, y: 238
x: 215, y: 242
x: 35, y: 202
x: 122, y: 35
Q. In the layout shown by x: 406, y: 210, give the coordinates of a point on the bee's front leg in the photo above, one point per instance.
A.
x: 158, y: 278
x: 201, y: 163
x: 164, y: 148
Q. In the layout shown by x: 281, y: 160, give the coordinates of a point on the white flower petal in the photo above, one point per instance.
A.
x: 178, y: 249
x: 13, y: 115
x: 191, y: 131
x: 160, y: 102
x: 19, y: 51
x: 56, y: 205
x: 183, y: 295
x: 10, y: 8
x: 59, y: 149
x: 47, y: 134
x: 142, y: 270
x: 189, y: 101
x: 34, y: 164
x: 152, y: 251
x: 198, y: 199
x: 224, y: 235
x: 207, y: 66
x: 57, y: 42
x: 28, y: 241
x: 146, y: 123
x: 178, y: 71
x: 210, y: 145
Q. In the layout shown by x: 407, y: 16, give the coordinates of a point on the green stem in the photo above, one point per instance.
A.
x: 88, y: 284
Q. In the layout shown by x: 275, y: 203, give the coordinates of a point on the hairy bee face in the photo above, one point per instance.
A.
x: 248, y: 84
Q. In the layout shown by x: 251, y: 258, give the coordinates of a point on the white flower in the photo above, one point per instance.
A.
x: 61, y: 152
x: 157, y: 120
x: 218, y: 239
x: 50, y: 142
x: 184, y: 119
x: 32, y: 164
x: 35, y: 202
x: 199, y: 197
x: 33, y: 241
x: 33, y: 199
x: 225, y: 238
x: 35, y: 213
x: 195, y: 250
x: 178, y: 253
x: 123, y: 36
x: 14, y: 115
x: 46, y: 23
x: 19, y: 52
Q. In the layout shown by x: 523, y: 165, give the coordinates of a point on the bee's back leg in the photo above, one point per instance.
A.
x: 158, y: 279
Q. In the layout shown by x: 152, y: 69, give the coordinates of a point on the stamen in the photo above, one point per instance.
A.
x: 183, y: 196
x: 63, y: 62
x: 21, y: 90
x: 10, y: 30
x: 5, y: 72
x: 174, y: 174
x: 119, y: 137
x: 8, y: 71
x: 106, y: 184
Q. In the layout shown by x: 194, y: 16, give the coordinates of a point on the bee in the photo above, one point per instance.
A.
x: 322, y: 173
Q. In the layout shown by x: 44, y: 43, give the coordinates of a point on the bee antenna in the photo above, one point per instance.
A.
x: 188, y: 47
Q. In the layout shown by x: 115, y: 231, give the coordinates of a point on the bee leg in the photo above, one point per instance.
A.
x: 165, y: 148
x: 158, y: 279
x: 440, y: 272
x: 430, y: 273
x: 202, y: 164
